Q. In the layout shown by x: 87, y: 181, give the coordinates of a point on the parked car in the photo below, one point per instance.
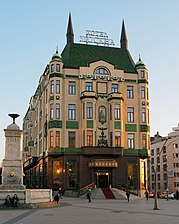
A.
x: 151, y: 194
x: 163, y: 194
x: 170, y: 195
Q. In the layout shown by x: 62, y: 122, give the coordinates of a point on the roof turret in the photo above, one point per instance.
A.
x: 56, y: 57
x: 140, y: 64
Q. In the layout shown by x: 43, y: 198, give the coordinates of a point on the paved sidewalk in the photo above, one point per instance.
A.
x: 79, y: 211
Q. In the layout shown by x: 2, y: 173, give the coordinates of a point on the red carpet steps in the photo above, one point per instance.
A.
x: 108, y: 193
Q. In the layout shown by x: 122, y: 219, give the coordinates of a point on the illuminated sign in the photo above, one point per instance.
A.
x: 96, y: 37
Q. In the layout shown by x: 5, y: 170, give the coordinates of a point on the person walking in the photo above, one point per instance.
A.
x: 147, y: 195
x: 57, y: 197
x: 60, y: 191
x: 128, y: 194
x: 88, y: 195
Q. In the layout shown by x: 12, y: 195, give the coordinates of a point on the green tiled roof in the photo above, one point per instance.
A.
x: 78, y: 55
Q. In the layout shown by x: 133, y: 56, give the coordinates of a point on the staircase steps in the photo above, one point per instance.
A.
x: 108, y: 193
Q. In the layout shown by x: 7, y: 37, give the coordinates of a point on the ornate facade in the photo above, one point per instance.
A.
x: 88, y: 121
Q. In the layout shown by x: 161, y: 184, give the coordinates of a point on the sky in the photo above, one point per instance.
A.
x: 30, y: 31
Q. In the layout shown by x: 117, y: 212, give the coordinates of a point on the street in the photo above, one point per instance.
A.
x: 77, y: 211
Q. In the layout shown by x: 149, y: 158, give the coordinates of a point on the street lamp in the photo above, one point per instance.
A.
x: 155, y: 178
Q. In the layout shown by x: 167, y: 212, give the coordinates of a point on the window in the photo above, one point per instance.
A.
x: 102, y: 71
x: 89, y: 110
x: 158, y: 159
x: 57, y: 86
x: 147, y: 93
x: 131, y: 141
x: 52, y: 87
x: 89, y: 138
x: 143, y: 115
x: 143, y: 92
x: 117, y: 139
x: 142, y: 74
x: 72, y: 88
x: 130, y: 92
x: 110, y: 112
x: 114, y: 88
x: 152, y: 152
x: 30, y: 133
x: 51, y: 139
x: 144, y: 141
x: 71, y: 139
x: 52, y: 68
x: 158, y: 168
x: 130, y: 114
x: 57, y: 138
x: 111, y: 139
x: 83, y: 138
x: 175, y: 146
x: 164, y: 167
x: 83, y: 110
x: 164, y: 158
x: 57, y: 111
x: 71, y: 112
x: 57, y: 67
x: 89, y: 86
x: 158, y: 177
x: 51, y: 111
x: 117, y: 111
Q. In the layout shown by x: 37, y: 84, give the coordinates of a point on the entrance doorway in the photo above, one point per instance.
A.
x: 103, y: 179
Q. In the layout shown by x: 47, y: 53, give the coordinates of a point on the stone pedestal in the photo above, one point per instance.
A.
x: 12, y: 169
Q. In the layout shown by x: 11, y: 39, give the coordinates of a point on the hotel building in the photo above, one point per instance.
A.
x: 88, y: 122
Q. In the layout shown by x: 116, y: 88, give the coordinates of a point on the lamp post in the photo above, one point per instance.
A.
x: 155, y: 178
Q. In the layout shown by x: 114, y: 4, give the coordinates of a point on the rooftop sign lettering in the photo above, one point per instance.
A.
x: 96, y: 37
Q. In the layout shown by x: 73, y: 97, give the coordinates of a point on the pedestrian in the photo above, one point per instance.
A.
x: 128, y: 194
x: 15, y: 201
x: 147, y: 195
x: 177, y: 194
x: 57, y: 197
x: 60, y: 191
x: 88, y: 195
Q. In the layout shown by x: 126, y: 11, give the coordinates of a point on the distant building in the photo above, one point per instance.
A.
x: 165, y: 161
x: 88, y: 121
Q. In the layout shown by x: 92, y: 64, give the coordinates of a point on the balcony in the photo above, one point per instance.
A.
x: 117, y: 96
x: 88, y: 94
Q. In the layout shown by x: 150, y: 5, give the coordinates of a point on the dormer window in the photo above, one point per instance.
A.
x: 101, y: 71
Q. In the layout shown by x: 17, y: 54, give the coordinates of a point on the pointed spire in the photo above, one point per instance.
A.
x: 124, y: 41
x: 57, y: 50
x: 70, y: 34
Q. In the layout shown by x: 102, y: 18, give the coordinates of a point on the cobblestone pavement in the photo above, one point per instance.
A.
x: 78, y: 211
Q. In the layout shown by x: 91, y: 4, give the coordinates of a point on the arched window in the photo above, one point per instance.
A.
x: 101, y: 71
